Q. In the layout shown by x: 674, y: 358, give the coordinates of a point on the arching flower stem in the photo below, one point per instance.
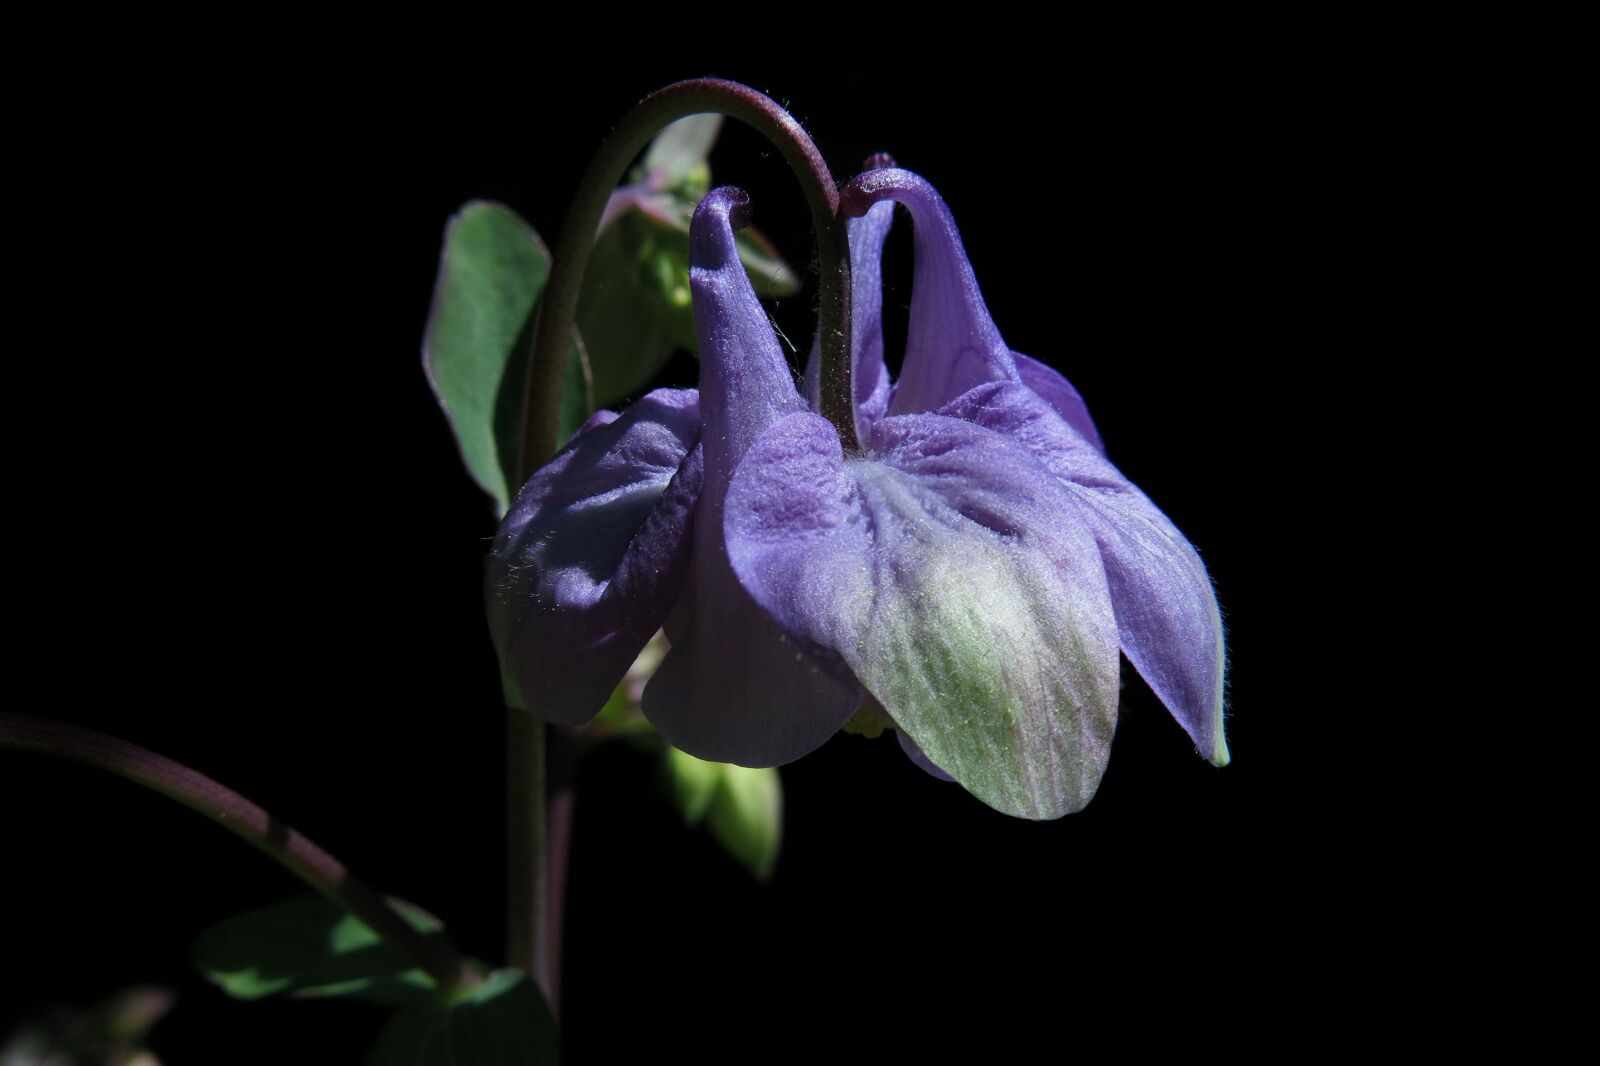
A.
x: 559, y: 303
x: 299, y: 855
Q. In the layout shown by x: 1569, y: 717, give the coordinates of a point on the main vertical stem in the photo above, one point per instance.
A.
x: 527, y: 853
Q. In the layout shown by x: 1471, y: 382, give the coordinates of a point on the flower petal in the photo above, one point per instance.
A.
x: 951, y: 342
x: 592, y: 554
x: 870, y: 377
x: 1171, y: 628
x: 745, y: 383
x: 943, y: 574
x: 734, y: 688
x: 1058, y: 392
x: 918, y: 759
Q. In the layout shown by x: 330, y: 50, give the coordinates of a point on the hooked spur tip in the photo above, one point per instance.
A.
x: 879, y: 161
x: 734, y: 202
x: 877, y: 183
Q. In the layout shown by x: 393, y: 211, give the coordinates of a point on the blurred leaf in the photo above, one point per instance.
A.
x: 492, y: 270
x: 741, y: 806
x: 746, y: 815
x: 677, y: 157
x: 635, y: 308
x: 503, y: 1022
x: 693, y: 782
x: 769, y: 274
x: 312, y: 947
x: 109, y: 1034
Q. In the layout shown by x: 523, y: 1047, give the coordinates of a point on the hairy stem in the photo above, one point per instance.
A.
x: 227, y: 808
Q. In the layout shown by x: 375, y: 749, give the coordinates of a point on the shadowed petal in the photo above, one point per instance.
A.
x: 734, y: 688
x: 870, y: 377
x: 1171, y: 629
x: 941, y: 572
x: 1058, y: 392
x: 593, y: 553
x: 951, y: 342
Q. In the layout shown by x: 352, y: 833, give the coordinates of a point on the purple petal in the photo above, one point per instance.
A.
x: 918, y: 759
x: 1058, y: 392
x: 870, y: 377
x: 951, y: 342
x: 1167, y: 613
x: 600, y: 418
x: 592, y: 555
x: 733, y: 688
x: 745, y: 384
x: 941, y: 571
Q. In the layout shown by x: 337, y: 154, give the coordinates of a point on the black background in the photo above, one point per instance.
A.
x: 252, y: 548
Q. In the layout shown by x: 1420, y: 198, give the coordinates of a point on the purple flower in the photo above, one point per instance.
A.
x: 976, y: 567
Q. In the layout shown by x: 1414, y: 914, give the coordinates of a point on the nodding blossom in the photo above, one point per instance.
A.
x: 971, y: 561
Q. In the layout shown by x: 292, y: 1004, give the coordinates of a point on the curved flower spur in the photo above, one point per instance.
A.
x: 974, y: 563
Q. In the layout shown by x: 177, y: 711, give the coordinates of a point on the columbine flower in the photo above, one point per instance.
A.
x: 975, y: 568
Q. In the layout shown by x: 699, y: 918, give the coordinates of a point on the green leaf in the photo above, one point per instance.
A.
x: 746, y: 816
x: 635, y: 308
x: 693, y: 782
x: 742, y: 806
x: 492, y: 270
x: 503, y: 1022
x: 677, y: 156
x: 312, y: 947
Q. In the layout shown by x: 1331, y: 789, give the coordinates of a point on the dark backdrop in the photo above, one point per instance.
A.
x: 258, y: 554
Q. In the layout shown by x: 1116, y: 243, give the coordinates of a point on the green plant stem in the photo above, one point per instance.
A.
x: 541, y: 405
x: 233, y: 812
x: 527, y: 853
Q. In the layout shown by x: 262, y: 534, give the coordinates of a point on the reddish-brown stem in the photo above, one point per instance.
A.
x: 300, y: 855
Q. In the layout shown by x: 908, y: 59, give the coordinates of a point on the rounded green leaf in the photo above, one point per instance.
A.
x: 312, y: 947
x: 492, y: 270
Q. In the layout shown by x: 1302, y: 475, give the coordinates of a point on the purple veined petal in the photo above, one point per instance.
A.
x: 1167, y: 614
x: 870, y: 378
x: 952, y: 344
x: 733, y: 687
x: 1058, y: 392
x: 941, y: 570
x: 593, y: 553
